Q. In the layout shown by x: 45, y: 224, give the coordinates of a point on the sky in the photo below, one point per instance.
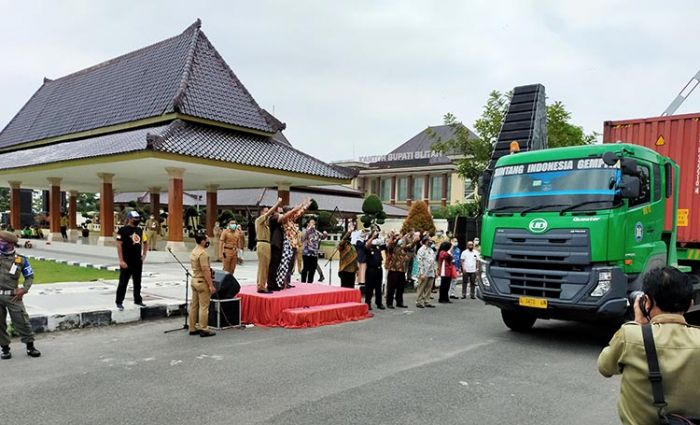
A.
x: 357, y: 78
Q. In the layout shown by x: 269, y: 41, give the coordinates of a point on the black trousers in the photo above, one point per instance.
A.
x: 445, y: 289
x: 132, y: 271
x: 64, y: 232
x: 275, y: 260
x: 347, y: 279
x: 373, y: 285
x: 309, y: 268
x: 395, y: 284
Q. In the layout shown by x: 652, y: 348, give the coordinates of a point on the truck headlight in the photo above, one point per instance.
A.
x: 601, y: 289
x: 485, y: 279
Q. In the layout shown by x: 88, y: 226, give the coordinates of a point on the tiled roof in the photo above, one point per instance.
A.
x: 422, y: 142
x: 238, y: 147
x: 183, y: 74
x: 185, y: 139
x: 128, y: 141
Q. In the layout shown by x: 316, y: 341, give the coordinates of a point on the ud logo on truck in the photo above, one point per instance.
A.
x: 538, y: 225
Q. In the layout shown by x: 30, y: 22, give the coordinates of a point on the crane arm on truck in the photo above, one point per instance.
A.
x: 683, y: 95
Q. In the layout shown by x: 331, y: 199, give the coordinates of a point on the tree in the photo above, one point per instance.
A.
x: 373, y: 210
x: 327, y: 222
x: 4, y: 199
x: 560, y: 131
x: 419, y: 219
x: 86, y: 203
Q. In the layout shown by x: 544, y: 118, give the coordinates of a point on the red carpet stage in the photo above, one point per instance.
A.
x: 305, y: 305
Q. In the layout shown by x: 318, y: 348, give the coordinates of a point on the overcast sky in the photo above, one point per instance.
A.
x: 359, y: 78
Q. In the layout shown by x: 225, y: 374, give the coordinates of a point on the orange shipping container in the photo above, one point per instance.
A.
x: 677, y: 137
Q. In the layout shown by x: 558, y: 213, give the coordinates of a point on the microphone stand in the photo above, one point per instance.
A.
x: 188, y: 275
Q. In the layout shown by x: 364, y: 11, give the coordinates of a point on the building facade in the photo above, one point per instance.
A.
x: 413, y: 172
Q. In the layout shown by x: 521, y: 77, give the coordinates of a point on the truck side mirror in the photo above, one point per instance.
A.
x: 631, y: 187
x: 610, y: 158
x: 629, y: 166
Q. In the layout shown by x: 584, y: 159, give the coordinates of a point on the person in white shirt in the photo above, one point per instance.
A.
x: 470, y: 266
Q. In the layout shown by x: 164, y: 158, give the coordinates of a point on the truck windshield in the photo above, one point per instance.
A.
x: 561, y: 184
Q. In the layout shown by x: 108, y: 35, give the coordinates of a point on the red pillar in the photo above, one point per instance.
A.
x: 409, y: 191
x: 15, y: 207
x: 212, y: 193
x: 393, y: 190
x: 106, y: 207
x: 73, y: 210
x: 55, y: 205
x: 175, y: 209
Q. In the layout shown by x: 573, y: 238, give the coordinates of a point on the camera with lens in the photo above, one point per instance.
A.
x: 633, y: 297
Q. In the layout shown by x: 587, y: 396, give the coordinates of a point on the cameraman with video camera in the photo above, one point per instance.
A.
x: 667, y: 295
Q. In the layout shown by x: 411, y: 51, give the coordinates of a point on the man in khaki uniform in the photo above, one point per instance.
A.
x: 152, y: 227
x: 11, y: 266
x: 262, y: 232
x: 231, y: 241
x: 202, y: 288
x: 668, y: 294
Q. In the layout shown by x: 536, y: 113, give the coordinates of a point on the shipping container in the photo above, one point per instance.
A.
x: 677, y: 137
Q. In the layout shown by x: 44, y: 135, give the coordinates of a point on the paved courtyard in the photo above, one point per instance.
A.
x: 456, y: 364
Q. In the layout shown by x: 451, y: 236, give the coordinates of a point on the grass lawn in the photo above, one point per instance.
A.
x: 51, y: 272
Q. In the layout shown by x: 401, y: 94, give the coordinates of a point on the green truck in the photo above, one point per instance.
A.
x: 569, y: 233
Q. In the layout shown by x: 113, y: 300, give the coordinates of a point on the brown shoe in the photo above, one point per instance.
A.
x: 205, y: 334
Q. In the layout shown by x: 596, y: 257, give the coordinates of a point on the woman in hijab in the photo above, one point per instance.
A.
x: 445, y: 270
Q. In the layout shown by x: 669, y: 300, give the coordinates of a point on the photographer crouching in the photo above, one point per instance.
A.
x: 12, y: 266
x: 674, y: 344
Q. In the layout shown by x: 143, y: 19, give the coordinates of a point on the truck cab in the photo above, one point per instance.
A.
x: 568, y: 233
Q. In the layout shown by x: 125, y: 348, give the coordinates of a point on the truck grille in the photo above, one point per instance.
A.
x: 538, y: 264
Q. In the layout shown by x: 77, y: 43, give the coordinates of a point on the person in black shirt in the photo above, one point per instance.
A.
x: 373, y: 276
x: 132, y: 246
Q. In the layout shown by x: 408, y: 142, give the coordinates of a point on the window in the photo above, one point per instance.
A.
x: 435, y: 188
x: 401, y: 188
x: 645, y: 185
x: 418, y: 184
x: 385, y: 191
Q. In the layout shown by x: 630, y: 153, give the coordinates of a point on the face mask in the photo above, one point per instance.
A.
x: 232, y: 226
x: 206, y: 245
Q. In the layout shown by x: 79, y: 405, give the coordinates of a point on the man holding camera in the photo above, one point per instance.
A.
x: 667, y: 295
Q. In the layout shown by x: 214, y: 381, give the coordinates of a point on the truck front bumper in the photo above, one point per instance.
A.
x: 575, y: 303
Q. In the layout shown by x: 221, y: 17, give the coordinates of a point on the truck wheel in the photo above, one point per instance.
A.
x: 518, y: 321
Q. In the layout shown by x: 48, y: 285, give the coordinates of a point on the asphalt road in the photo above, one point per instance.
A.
x: 456, y: 364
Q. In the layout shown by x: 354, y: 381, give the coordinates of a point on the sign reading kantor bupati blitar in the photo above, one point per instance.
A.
x: 400, y: 156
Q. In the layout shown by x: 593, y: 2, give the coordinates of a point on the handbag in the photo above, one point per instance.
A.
x: 657, y: 387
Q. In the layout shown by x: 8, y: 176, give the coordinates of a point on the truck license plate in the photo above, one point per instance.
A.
x: 532, y: 302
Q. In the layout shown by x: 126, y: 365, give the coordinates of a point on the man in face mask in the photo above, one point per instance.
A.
x: 11, y: 267
x: 470, y: 267
x: 231, y: 241
x: 132, y: 246
x: 202, y: 288
x: 152, y: 232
